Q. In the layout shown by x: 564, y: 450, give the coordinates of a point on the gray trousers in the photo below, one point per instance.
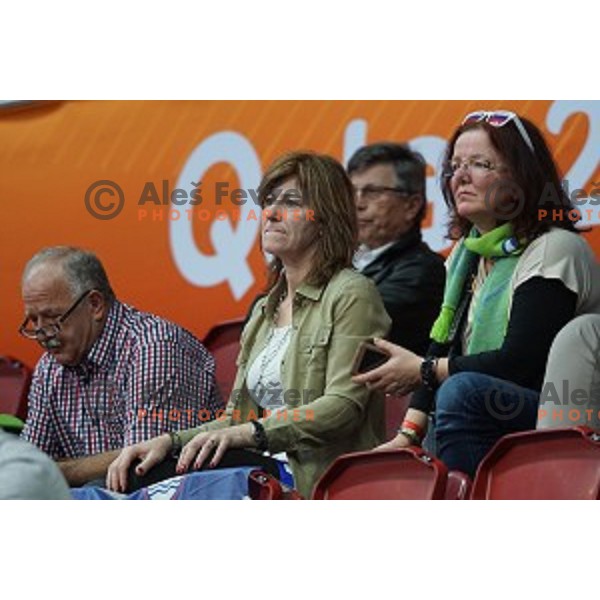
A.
x: 571, y: 391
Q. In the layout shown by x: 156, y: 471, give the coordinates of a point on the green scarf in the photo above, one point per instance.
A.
x: 490, y: 316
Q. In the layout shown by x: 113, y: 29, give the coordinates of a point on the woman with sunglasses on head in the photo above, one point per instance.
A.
x: 293, y: 391
x: 518, y: 273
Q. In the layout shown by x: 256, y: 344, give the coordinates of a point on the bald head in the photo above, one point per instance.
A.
x: 56, y: 280
x: 80, y: 269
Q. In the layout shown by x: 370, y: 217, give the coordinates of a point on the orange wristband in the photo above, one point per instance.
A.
x: 406, y: 424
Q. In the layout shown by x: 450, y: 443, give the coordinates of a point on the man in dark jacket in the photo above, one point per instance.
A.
x: 389, y: 180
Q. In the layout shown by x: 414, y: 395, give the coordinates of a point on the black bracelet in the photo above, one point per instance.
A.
x: 259, y: 436
x: 428, y: 373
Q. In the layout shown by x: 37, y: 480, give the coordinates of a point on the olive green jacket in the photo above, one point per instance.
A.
x: 327, y: 414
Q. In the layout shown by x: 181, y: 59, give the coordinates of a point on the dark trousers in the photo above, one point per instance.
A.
x: 473, y: 411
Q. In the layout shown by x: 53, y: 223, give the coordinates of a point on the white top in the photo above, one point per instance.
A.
x: 477, y: 284
x: 364, y: 256
x: 561, y: 254
x: 264, y: 376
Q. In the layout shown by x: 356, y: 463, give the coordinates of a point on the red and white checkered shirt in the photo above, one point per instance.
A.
x: 142, y: 377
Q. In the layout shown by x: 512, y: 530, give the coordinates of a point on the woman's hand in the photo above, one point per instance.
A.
x: 151, y: 452
x: 198, y: 449
x: 400, y: 441
x: 401, y: 373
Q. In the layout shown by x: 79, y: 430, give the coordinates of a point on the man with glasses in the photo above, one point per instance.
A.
x: 111, y: 375
x: 389, y: 181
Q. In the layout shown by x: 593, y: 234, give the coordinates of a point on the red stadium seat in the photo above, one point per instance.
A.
x: 223, y: 342
x: 262, y: 486
x: 458, y: 486
x: 15, y: 378
x: 553, y: 464
x: 404, y: 474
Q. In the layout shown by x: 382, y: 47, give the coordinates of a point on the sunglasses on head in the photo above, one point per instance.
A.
x: 499, y: 118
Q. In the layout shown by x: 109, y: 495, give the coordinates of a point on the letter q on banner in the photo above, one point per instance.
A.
x: 432, y: 148
x: 232, y: 247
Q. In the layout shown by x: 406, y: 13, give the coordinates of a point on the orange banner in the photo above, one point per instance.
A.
x: 164, y: 192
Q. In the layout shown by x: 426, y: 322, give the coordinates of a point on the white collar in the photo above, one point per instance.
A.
x: 364, y: 256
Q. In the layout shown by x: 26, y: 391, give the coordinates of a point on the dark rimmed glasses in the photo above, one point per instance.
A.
x: 499, y: 118
x: 373, y: 192
x: 52, y: 329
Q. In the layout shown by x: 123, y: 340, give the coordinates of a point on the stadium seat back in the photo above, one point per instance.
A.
x: 263, y: 486
x: 458, y: 486
x: 552, y: 464
x: 405, y: 474
x: 223, y: 342
x: 15, y: 379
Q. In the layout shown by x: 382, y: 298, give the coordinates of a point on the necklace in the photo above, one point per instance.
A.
x: 269, y: 368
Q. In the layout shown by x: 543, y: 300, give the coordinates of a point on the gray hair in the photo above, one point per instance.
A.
x: 83, y: 270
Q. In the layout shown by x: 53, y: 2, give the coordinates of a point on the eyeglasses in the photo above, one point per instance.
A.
x: 481, y: 166
x: 373, y: 192
x: 52, y: 329
x: 499, y: 118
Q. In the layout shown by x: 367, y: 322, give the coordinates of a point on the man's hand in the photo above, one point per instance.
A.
x: 79, y: 471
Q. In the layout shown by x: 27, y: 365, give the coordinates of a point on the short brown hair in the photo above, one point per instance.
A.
x: 326, y: 190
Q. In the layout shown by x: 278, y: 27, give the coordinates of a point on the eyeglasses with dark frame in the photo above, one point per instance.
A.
x: 373, y: 192
x: 53, y: 329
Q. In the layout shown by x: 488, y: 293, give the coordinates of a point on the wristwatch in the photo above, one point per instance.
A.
x: 176, y: 444
x: 259, y: 436
x: 428, y: 373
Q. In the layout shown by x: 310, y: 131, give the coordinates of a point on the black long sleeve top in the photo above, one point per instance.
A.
x: 540, y: 309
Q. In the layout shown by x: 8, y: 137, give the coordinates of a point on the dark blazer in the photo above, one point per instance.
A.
x: 410, y: 278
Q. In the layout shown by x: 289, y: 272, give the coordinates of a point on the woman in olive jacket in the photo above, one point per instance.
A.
x: 293, y: 392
